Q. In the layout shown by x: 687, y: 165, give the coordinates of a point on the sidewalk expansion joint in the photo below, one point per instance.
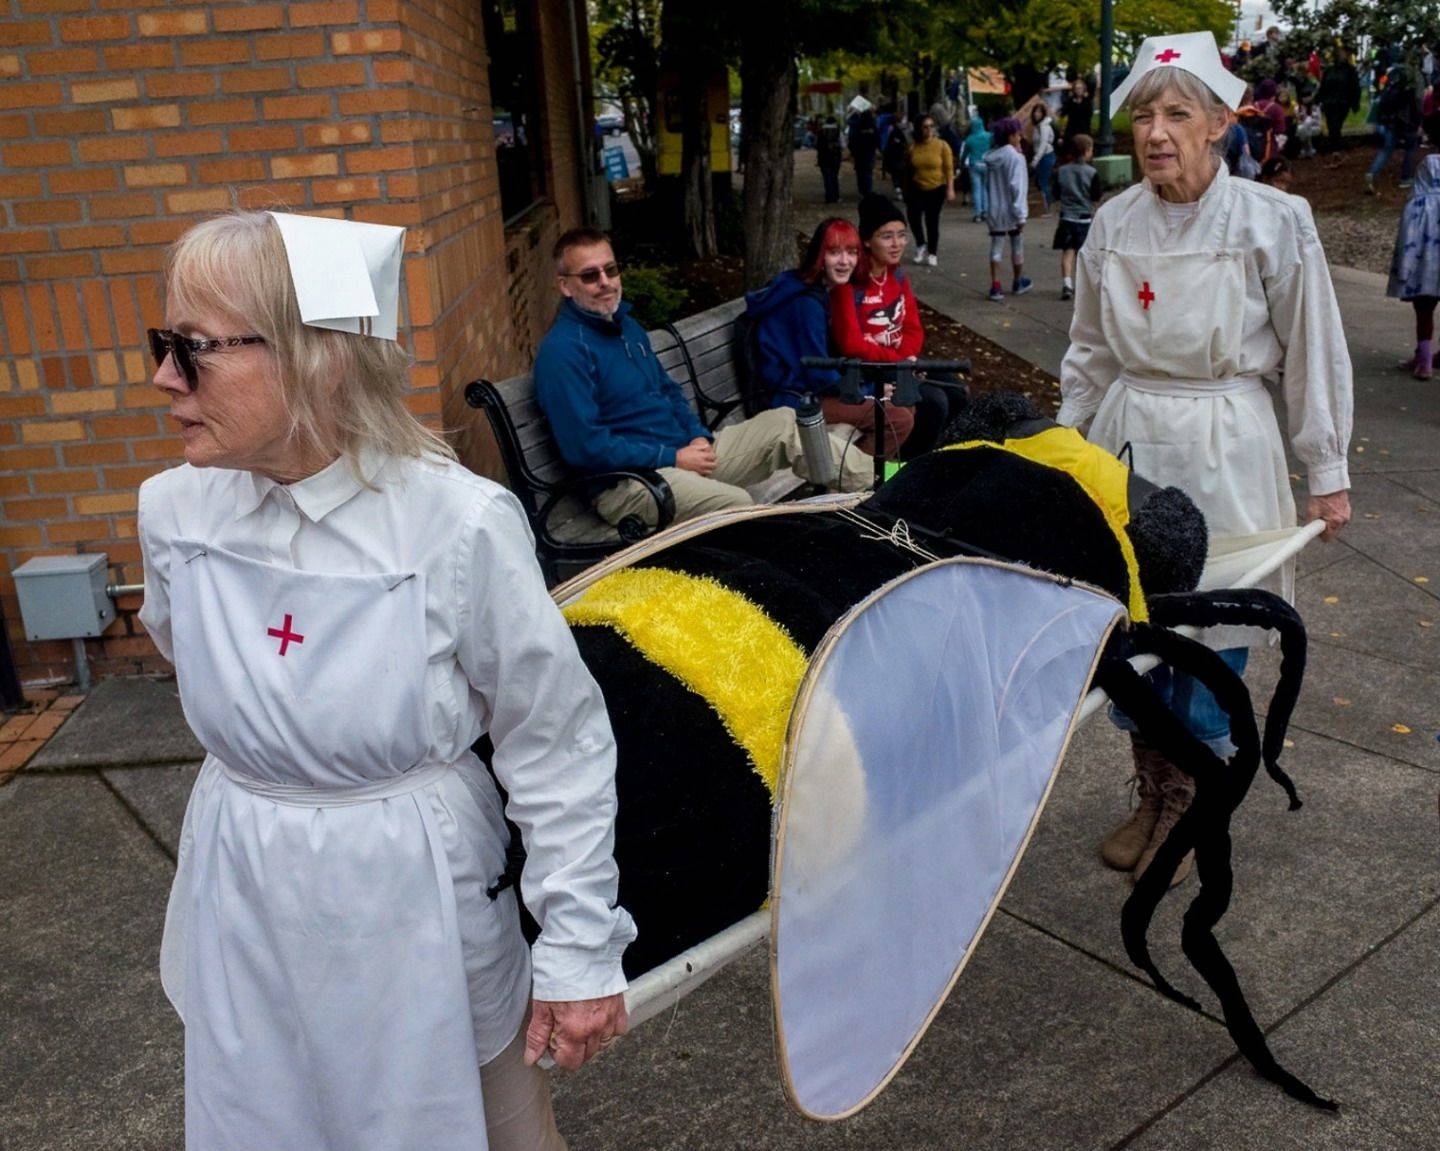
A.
x: 129, y: 765
x: 1308, y: 1000
x: 139, y: 819
x: 1119, y: 968
x: 1409, y: 580
x: 1385, y: 755
x: 1375, y: 655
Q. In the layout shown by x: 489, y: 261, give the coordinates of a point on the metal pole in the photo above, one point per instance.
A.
x: 82, y: 666
x: 584, y: 130
x: 1105, y: 138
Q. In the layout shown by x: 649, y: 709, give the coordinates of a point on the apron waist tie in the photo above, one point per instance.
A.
x: 302, y: 795
x: 1192, y: 389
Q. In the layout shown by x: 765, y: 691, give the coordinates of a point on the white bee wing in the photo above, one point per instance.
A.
x: 921, y: 750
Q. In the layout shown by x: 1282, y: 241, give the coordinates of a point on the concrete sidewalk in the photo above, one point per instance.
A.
x: 1050, y: 1039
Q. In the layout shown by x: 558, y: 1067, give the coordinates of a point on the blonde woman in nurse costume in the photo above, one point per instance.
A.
x: 1194, y: 286
x: 348, y: 610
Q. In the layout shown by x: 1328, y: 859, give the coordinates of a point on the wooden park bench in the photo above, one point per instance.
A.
x: 698, y: 352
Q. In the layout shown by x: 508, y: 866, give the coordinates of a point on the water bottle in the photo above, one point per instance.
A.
x: 815, y: 442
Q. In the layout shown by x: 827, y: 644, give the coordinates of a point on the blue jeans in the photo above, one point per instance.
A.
x: 977, y: 189
x: 1389, y: 141
x: 1042, y: 176
x: 1194, y: 704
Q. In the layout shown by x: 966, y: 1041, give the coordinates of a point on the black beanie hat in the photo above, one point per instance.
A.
x: 875, y: 212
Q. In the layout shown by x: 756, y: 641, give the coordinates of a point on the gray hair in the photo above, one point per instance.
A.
x: 1158, y: 81
x: 235, y: 264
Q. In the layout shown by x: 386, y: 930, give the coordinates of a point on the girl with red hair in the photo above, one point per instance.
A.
x: 789, y: 319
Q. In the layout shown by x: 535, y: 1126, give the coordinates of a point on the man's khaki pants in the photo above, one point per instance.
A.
x: 745, y: 453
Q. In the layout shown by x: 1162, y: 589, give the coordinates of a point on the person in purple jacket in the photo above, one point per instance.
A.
x: 612, y: 408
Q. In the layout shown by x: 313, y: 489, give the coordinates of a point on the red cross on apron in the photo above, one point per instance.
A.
x: 1144, y: 295
x: 1166, y: 56
x: 285, y: 635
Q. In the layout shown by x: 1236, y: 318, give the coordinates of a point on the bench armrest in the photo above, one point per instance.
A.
x: 631, y: 528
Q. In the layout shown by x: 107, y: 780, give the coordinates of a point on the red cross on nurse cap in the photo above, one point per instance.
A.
x: 1197, y: 53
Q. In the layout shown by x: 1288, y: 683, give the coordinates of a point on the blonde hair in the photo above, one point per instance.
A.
x: 236, y: 264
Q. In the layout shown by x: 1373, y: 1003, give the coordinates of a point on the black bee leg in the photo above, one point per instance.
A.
x: 1251, y: 607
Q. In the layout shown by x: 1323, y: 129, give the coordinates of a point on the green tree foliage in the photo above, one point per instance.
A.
x: 1029, y: 38
x: 625, y: 42
x: 1395, y: 23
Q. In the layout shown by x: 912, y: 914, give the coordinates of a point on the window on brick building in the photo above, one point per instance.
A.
x: 513, y: 45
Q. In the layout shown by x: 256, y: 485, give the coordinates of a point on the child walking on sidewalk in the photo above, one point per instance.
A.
x: 1415, y: 267
x: 1007, y: 188
x: 1077, y: 187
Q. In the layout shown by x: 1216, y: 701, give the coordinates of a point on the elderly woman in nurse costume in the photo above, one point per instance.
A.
x: 1193, y: 287
x: 348, y: 611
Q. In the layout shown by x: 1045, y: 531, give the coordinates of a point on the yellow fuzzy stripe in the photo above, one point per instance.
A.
x: 1100, y: 475
x: 715, y: 641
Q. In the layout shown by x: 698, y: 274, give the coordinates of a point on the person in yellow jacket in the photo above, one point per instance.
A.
x: 930, y: 182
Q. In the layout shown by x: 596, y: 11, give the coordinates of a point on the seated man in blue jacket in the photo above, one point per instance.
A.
x: 612, y: 407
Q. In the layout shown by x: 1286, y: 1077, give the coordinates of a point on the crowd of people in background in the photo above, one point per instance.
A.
x: 1044, y: 149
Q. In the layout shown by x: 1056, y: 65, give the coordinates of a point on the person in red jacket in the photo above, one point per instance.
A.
x: 875, y: 317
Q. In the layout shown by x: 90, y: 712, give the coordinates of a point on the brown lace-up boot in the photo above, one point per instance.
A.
x: 1176, y: 791
x: 1124, y: 846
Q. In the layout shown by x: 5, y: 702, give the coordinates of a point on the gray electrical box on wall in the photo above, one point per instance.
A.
x: 63, y: 597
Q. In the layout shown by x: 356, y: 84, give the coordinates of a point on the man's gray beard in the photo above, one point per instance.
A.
x: 610, y: 315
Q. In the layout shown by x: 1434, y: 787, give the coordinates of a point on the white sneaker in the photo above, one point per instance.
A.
x: 920, y: 255
x: 932, y: 259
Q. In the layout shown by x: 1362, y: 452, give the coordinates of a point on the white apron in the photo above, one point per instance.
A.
x: 311, y: 941
x: 1173, y: 319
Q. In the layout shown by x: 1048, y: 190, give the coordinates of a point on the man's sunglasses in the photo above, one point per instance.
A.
x: 186, y: 350
x: 591, y: 276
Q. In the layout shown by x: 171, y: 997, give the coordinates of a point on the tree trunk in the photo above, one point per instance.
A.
x: 689, y: 46
x: 767, y: 148
x: 640, y: 124
x: 1025, y: 81
x: 698, y: 201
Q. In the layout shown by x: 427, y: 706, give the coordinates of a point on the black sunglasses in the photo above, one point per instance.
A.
x: 185, y: 349
x: 591, y: 276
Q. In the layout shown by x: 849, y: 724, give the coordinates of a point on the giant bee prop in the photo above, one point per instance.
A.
x: 698, y: 641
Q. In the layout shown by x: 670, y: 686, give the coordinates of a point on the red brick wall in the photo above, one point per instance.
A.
x: 120, y: 124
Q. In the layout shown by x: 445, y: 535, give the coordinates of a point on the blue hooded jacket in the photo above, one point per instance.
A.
x: 790, y: 319
x: 609, y: 403
x: 977, y: 143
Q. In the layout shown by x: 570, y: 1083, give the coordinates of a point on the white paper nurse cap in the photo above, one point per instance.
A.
x: 1197, y: 53
x: 346, y: 274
